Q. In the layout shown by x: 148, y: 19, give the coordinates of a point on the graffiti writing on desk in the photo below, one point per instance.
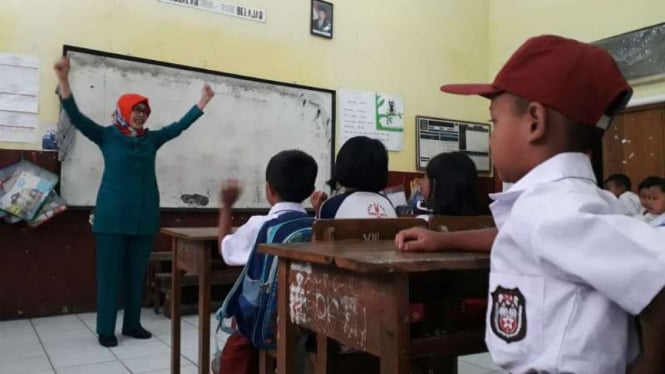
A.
x: 327, y: 303
x: 298, y: 301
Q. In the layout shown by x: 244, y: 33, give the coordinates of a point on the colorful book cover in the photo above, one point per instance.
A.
x: 26, y: 195
x: 53, y: 206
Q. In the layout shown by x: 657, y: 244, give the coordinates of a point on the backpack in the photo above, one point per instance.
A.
x: 252, y: 301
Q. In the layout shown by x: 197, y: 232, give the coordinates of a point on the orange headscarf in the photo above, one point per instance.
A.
x: 123, y: 111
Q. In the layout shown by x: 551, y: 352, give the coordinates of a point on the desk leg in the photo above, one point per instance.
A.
x: 176, y: 282
x: 395, y: 334
x: 286, y: 334
x: 204, y: 315
x: 321, y: 365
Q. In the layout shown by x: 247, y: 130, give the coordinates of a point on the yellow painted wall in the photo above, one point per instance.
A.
x: 511, y: 22
x: 394, y: 46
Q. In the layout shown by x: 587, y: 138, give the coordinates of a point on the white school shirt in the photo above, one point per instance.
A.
x: 357, y: 204
x: 631, y: 201
x: 568, y: 270
x: 658, y: 221
x: 236, y: 247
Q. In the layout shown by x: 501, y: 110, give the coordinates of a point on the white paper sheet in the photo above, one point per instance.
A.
x: 17, y: 134
x: 375, y: 115
x: 19, y: 91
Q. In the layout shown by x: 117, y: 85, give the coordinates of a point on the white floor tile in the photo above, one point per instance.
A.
x: 70, y: 343
x: 90, y: 319
x: 113, y: 367
x: 145, y: 348
x: 193, y: 353
x: 76, y: 356
x: 19, y: 349
x: 61, y: 321
x: 52, y: 336
x: 481, y: 359
x: 15, y: 327
x: 84, y: 341
x: 187, y: 369
x: 26, y: 366
x: 150, y: 363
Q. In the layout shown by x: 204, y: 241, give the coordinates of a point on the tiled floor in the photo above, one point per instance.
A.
x: 68, y: 345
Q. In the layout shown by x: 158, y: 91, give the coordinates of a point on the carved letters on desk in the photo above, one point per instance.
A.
x: 330, y: 302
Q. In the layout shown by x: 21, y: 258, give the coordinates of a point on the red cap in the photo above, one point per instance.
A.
x: 127, y: 102
x: 578, y: 80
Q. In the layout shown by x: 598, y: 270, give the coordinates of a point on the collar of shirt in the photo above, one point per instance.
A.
x: 282, y: 206
x: 561, y: 166
x: 658, y: 220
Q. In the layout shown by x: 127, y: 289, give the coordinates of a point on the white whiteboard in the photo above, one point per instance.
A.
x: 246, y: 123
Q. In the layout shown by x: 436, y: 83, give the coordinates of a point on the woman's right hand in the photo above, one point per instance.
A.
x: 61, y: 68
x: 230, y: 192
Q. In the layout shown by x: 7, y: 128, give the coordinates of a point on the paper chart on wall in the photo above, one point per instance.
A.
x: 19, y: 91
x: 372, y: 114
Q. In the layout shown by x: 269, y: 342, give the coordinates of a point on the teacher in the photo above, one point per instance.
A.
x: 127, y: 208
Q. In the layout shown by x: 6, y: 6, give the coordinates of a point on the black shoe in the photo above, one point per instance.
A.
x: 108, y: 340
x: 138, y: 333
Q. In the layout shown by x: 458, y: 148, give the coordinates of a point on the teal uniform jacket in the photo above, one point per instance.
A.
x: 128, y: 197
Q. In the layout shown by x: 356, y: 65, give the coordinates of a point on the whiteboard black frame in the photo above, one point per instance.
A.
x: 483, y: 173
x: 70, y: 48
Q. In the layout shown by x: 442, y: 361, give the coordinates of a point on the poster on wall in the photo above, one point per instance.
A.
x: 19, y: 91
x: 216, y: 6
x: 372, y: 114
x: 439, y: 135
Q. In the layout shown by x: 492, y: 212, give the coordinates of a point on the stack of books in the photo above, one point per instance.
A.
x: 27, y: 194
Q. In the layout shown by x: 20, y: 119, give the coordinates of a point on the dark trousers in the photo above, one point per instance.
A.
x: 121, y: 260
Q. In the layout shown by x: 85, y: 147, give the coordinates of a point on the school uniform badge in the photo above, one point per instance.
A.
x: 508, y: 314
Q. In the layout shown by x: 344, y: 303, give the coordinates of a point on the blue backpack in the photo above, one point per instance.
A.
x: 253, y: 299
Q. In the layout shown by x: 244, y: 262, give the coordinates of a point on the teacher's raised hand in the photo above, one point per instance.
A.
x: 206, y: 95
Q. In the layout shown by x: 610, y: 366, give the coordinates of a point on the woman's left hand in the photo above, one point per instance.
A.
x: 206, y: 95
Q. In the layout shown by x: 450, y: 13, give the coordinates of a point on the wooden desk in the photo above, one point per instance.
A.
x: 196, y: 252
x: 358, y: 294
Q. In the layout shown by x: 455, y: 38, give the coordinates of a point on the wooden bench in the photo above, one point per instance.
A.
x: 224, y: 277
x: 159, y: 262
x: 362, y: 229
x: 159, y: 282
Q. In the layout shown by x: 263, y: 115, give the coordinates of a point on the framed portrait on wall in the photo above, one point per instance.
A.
x: 322, y: 19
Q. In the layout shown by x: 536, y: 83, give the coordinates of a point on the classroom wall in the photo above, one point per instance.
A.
x: 397, y: 46
x: 511, y: 22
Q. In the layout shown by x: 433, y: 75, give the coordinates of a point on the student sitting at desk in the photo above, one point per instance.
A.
x: 619, y: 185
x: 656, y: 204
x: 361, y: 169
x: 290, y: 178
x: 643, y: 190
x: 568, y: 268
x: 449, y: 186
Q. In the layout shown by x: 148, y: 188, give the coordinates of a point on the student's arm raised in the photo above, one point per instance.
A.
x: 228, y: 196
x: 317, y: 199
x: 419, y: 239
